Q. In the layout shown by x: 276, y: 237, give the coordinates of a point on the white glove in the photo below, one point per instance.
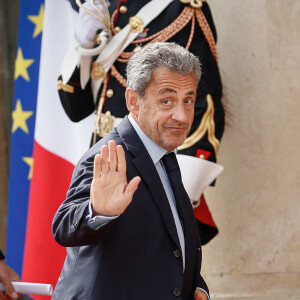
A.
x: 88, y: 25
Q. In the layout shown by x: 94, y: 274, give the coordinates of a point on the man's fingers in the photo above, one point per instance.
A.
x: 132, y: 187
x: 10, y: 290
x: 3, y: 296
x: 112, y: 155
x: 121, y: 159
x: 97, y: 166
x: 200, y: 295
x: 104, y: 159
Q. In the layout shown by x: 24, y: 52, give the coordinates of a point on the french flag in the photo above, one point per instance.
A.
x: 58, y: 145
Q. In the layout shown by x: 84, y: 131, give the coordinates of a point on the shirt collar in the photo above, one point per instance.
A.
x: 156, y: 152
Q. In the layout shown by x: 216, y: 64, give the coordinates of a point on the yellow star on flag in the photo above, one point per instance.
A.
x: 38, y: 21
x: 29, y: 162
x: 19, y: 117
x: 21, y: 65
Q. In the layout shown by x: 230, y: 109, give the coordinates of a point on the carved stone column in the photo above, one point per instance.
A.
x: 9, y: 13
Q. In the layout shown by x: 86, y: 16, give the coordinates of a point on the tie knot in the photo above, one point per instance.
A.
x: 170, y: 162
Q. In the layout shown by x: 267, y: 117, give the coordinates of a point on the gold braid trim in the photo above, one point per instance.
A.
x: 207, y: 124
x: 114, y: 72
x: 207, y: 32
x: 188, y: 45
x: 65, y: 87
x: 187, y: 15
x: 97, y: 123
x: 176, y: 26
x: 165, y: 34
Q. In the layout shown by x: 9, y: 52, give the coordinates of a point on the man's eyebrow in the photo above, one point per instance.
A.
x: 191, y: 93
x: 167, y: 90
x: 170, y: 90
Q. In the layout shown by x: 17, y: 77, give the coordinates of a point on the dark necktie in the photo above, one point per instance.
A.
x: 184, y: 206
x: 170, y: 163
x: 173, y: 172
x: 174, y: 175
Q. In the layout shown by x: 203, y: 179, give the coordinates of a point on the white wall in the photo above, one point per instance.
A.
x: 256, y: 201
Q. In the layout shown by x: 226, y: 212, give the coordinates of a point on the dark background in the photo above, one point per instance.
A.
x: 9, y: 16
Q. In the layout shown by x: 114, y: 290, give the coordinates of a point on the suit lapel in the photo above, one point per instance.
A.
x: 145, y: 167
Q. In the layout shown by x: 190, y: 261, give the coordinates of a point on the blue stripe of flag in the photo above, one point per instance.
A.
x: 21, y: 142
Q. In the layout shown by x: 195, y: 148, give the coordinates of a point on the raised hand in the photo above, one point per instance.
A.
x: 110, y: 192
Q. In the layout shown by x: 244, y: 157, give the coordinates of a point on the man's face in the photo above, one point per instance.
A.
x: 167, y: 112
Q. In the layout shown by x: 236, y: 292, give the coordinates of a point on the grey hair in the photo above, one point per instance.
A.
x: 170, y: 56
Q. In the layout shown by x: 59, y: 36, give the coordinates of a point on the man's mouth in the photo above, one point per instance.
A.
x: 177, y: 129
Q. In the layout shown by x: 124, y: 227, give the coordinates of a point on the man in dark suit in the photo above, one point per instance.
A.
x: 187, y: 23
x: 127, y: 220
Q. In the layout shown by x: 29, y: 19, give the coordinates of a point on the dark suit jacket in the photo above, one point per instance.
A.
x: 133, y: 256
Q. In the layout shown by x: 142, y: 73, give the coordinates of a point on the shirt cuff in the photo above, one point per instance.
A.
x: 97, y: 221
x: 204, y: 292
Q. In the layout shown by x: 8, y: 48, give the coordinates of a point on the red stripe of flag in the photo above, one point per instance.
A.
x: 43, y: 257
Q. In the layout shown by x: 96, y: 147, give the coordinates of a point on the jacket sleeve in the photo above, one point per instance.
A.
x: 70, y: 226
x: 200, y: 282
x: 77, y: 102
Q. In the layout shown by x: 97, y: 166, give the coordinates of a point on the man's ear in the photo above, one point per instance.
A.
x: 132, y: 101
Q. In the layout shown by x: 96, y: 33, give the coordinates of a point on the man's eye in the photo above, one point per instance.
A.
x: 188, y: 101
x: 166, y: 101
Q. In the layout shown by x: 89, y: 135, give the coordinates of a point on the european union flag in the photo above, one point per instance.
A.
x: 23, y: 123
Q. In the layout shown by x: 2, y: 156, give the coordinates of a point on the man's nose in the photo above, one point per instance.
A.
x: 180, y: 114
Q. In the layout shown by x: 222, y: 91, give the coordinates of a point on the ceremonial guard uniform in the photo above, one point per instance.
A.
x: 188, y: 23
